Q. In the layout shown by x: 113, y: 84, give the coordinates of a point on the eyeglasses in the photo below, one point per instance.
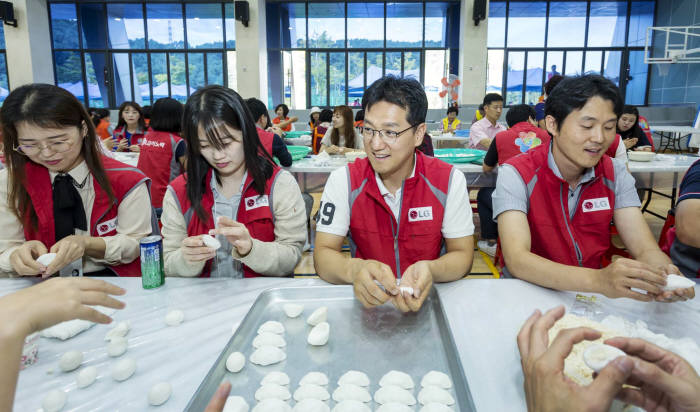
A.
x: 34, y: 149
x: 388, y: 136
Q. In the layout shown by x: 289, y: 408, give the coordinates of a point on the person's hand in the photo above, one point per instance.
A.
x: 122, y: 145
x: 23, y: 259
x: 418, y: 277
x: 67, y: 250
x: 110, y: 144
x: 364, y: 273
x: 218, y: 401
x: 617, y: 279
x: 236, y: 233
x: 630, y: 142
x: 134, y: 148
x: 664, y: 381
x: 673, y: 295
x: 56, y: 300
x: 194, y: 250
x: 547, y: 388
x: 332, y: 149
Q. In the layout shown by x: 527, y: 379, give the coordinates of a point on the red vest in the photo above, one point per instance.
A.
x: 120, y: 133
x: 158, y: 161
x: 519, y: 139
x: 612, y: 150
x: 257, y: 216
x: 578, y: 241
x: 103, y: 222
x: 266, y: 139
x: 374, y: 231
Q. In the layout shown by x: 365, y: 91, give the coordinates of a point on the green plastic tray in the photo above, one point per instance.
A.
x: 298, y: 152
x: 460, y: 155
x: 295, y: 134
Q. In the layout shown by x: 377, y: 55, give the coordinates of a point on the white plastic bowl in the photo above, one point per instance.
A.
x: 637, y: 156
x: 352, y: 156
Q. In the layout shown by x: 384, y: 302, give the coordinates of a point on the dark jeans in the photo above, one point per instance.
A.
x: 484, y: 204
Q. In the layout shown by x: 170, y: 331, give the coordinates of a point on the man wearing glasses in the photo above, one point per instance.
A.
x: 406, y: 215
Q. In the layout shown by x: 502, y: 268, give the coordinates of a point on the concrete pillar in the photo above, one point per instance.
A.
x: 29, y: 44
x: 251, y: 53
x: 472, y: 55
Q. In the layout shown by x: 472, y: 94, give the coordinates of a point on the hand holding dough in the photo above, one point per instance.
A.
x: 597, y: 356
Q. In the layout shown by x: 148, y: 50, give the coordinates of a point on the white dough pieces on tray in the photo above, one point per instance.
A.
x: 269, y: 339
x: 235, y: 362
x: 354, y: 378
x: 397, y: 378
x: 70, y: 360
x: 311, y: 405
x: 319, y: 334
x: 272, y: 405
x: 86, y: 377
x: 278, y: 378
x: 123, y: 369
x: 350, y: 392
x: 236, y: 404
x: 435, y: 378
x: 271, y: 326
x: 272, y: 391
x: 293, y: 310
x: 268, y: 355
x: 394, y: 394
x: 159, y: 393
x: 318, y: 316
x: 434, y: 394
x: 351, y: 406
x: 314, y: 378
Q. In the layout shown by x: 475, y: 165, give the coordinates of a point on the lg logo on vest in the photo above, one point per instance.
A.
x: 417, y: 214
x: 254, y: 202
x: 594, y: 205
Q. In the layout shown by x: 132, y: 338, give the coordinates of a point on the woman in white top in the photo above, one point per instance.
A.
x: 342, y: 136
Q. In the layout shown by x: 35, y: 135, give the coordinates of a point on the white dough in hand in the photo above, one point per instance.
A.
x: 674, y: 282
x: 435, y: 378
x: 271, y: 326
x: 272, y: 392
x: 54, y: 401
x: 211, y: 242
x: 269, y: 339
x: 318, y: 316
x: 117, y: 346
x: 46, y: 258
x: 235, y: 362
x: 394, y: 407
x: 397, y: 378
x: 278, y: 378
x: 310, y: 391
x: 311, y: 405
x: 70, y: 360
x: 123, y: 369
x: 597, y: 356
x: 159, y: 393
x: 236, y: 404
x: 430, y: 394
x: 350, y: 392
x: 351, y: 406
x: 267, y: 355
x: 86, y: 377
x: 393, y: 393
x: 355, y: 378
x: 272, y: 405
x: 319, y: 334
x: 314, y: 378
x: 174, y: 317
x: 292, y: 310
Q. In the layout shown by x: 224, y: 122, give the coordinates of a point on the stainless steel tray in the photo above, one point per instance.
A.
x: 373, y: 341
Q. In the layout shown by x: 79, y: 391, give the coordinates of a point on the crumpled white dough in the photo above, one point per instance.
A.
x: 278, y: 378
x: 68, y: 329
x: 355, y: 378
x: 314, y: 378
x: 350, y: 392
x: 269, y: 339
x: 318, y: 316
x: 310, y: 391
x: 435, y: 378
x: 267, y: 355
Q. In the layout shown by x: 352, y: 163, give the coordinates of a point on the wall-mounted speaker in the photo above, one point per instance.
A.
x: 7, y: 13
x: 242, y: 11
x: 479, y: 11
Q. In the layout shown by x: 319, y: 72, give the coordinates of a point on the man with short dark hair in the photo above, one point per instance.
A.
x: 400, y: 209
x: 555, y: 204
x: 483, y: 131
x: 266, y: 131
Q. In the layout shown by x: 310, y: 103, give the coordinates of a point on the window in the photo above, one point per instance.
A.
x: 106, y: 53
x: 4, y: 83
x: 530, y: 41
x: 350, y: 45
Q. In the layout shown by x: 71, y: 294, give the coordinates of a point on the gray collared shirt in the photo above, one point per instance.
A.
x: 224, y: 265
x: 511, y: 191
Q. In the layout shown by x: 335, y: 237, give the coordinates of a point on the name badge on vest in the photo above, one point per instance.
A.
x: 255, y: 202
x: 417, y: 214
x: 107, y: 226
x: 594, y: 205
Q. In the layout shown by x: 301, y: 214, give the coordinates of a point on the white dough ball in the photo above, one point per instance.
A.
x: 46, y: 258
x: 86, y: 377
x: 350, y: 392
x: 272, y: 391
x: 351, y: 406
x: 430, y: 394
x: 159, y: 393
x: 269, y: 339
x: 314, y: 378
x: 435, y: 378
x: 310, y: 391
x: 394, y: 407
x: 267, y: 355
x: 394, y: 394
x: 311, y: 405
x: 319, y: 334
x: 675, y: 282
x: 123, y: 369
x: 292, y: 310
x: 174, y: 317
x: 70, y: 360
x: 117, y: 346
x: 278, y: 378
x: 54, y: 401
x: 272, y: 405
x: 211, y: 242
x: 235, y: 362
x: 119, y: 331
x: 318, y: 316
x: 397, y: 378
x: 271, y: 326
x: 597, y: 356
x: 435, y: 407
x: 236, y: 404
x: 354, y: 378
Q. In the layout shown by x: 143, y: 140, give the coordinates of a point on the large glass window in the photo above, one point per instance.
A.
x: 530, y: 41
x: 110, y: 52
x: 404, y: 25
x: 326, y: 25
x: 365, y: 25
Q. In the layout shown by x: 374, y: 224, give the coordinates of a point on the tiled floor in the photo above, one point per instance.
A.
x: 480, y: 267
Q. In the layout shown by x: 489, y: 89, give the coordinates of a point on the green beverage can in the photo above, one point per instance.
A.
x: 152, y: 272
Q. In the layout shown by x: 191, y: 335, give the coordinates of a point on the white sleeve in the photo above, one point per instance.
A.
x: 458, y: 221
x: 621, y: 152
x: 334, y: 212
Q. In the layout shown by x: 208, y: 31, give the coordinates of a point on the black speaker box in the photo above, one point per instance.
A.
x: 479, y: 11
x: 242, y: 12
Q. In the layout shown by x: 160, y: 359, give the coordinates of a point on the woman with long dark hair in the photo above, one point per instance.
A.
x: 342, y: 136
x: 232, y: 191
x: 130, y: 129
x: 60, y: 195
x: 628, y: 128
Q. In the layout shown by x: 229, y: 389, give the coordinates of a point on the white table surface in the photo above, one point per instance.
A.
x: 675, y: 129
x: 484, y: 317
